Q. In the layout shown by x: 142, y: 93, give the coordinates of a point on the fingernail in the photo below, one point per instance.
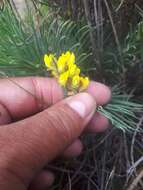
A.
x: 83, y: 103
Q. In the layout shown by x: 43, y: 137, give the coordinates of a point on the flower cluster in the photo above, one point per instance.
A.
x: 66, y: 71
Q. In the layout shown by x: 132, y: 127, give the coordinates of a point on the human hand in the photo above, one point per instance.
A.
x: 36, y: 129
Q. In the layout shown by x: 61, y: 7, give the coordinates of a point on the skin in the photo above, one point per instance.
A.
x: 37, y: 127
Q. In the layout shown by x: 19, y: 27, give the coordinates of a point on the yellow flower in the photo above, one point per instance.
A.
x: 65, y: 60
x: 71, y: 59
x: 55, y: 74
x: 61, y: 63
x: 77, y: 72
x: 66, y: 71
x: 84, y: 82
x: 72, y: 70
x: 75, y: 82
x: 67, y: 55
x: 49, y: 61
x: 63, y: 78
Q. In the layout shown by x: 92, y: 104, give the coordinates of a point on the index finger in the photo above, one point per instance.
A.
x: 21, y: 98
x: 100, y: 92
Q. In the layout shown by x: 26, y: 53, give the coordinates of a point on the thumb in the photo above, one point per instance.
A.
x: 30, y: 144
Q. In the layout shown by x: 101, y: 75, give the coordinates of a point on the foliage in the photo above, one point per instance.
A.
x: 112, y: 21
x: 23, y: 45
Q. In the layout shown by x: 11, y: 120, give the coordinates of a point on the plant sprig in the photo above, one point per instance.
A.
x: 22, y: 48
x: 122, y: 112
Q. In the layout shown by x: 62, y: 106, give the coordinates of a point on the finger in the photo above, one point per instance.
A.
x: 100, y: 92
x: 4, y: 115
x: 98, y: 123
x: 30, y: 144
x: 42, y: 181
x: 74, y: 149
x: 23, y: 97
x: 39, y: 93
